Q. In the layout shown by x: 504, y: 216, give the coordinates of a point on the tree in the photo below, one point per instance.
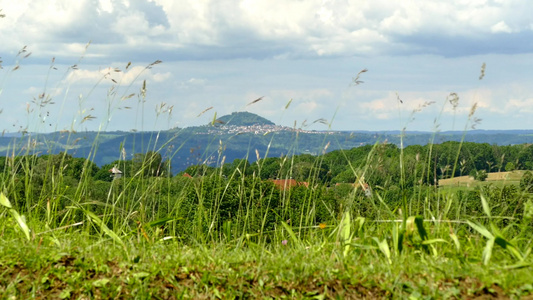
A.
x: 238, y: 167
x: 149, y: 164
x: 509, y: 167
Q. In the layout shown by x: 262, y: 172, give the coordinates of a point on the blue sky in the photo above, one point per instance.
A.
x: 225, y: 54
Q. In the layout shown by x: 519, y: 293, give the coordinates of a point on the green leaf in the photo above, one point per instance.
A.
x: 22, y: 223
x: 141, y: 274
x: 481, y: 229
x: 384, y: 247
x: 167, y: 238
x: 345, y: 227
x: 519, y: 265
x: 448, y: 206
x: 160, y: 222
x: 486, y: 207
x: 4, y: 201
x: 397, y: 238
x: 419, y: 221
x: 101, y: 282
x: 291, y: 233
x: 64, y: 294
x: 487, y: 252
x: 345, y: 232
x: 384, y: 203
x: 434, y: 241
x: 502, y: 242
x: 410, y: 226
x: 455, y: 240
x: 359, y: 222
x: 104, y: 227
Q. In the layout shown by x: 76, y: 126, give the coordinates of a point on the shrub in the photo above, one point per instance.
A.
x: 480, y: 175
x: 526, y: 183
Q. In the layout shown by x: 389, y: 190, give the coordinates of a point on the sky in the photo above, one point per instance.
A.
x: 160, y: 64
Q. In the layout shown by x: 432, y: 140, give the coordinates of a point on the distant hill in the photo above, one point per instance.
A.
x: 244, y: 118
x: 231, y: 139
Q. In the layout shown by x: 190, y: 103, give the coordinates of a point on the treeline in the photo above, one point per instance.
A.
x: 241, y: 196
x: 385, y: 164
x: 380, y: 164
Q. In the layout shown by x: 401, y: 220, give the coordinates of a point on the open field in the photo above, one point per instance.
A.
x: 494, y: 178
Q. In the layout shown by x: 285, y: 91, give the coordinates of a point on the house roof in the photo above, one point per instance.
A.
x: 288, y: 183
x: 115, y: 170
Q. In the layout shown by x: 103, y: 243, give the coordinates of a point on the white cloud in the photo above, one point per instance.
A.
x: 258, y: 28
x: 127, y: 77
x: 301, y: 94
x: 524, y: 105
x: 105, y: 6
x: 307, y: 107
x: 192, y: 82
x: 501, y: 27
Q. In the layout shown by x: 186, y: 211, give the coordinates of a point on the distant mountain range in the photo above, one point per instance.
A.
x: 237, y: 135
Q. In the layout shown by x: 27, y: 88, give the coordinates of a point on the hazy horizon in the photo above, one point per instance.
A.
x: 307, y: 126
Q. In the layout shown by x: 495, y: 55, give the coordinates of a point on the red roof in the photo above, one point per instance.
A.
x: 283, y: 184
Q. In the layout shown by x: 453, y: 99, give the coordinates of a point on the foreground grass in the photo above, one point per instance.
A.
x: 75, y: 266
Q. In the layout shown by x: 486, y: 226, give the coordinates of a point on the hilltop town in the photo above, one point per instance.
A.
x: 257, y: 129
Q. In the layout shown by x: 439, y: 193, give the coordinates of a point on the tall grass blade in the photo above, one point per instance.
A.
x: 359, y: 222
x: 397, y: 239
x: 485, y: 205
x: 419, y: 221
x: 4, y: 201
x: 434, y: 241
x: 502, y: 242
x: 481, y: 229
x: 94, y: 218
x: 291, y: 233
x: 456, y: 242
x: 487, y: 252
x: 384, y: 248
x: 345, y: 231
x: 20, y: 219
x: 21, y: 222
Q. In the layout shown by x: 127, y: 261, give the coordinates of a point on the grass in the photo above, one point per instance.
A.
x: 235, y: 236
x: 82, y: 267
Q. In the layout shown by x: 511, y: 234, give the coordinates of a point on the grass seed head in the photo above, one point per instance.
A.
x: 483, y: 66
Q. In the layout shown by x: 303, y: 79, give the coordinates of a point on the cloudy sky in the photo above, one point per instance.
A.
x: 66, y: 64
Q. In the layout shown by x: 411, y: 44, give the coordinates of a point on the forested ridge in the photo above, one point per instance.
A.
x: 379, y: 164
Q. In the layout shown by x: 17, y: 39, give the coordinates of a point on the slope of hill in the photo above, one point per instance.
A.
x: 244, y: 118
